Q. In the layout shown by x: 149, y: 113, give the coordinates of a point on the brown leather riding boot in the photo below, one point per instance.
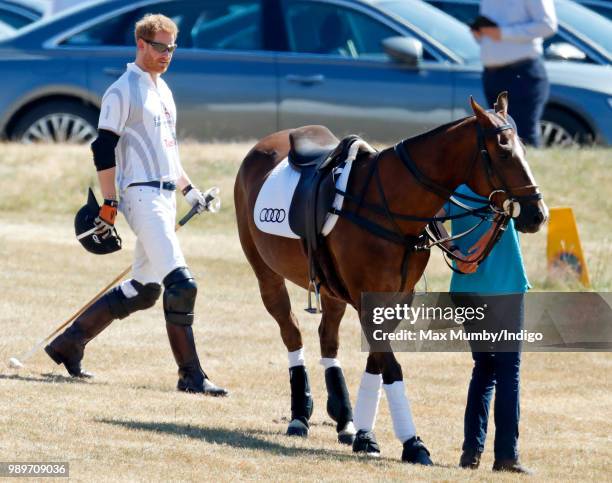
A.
x: 191, y: 376
x: 68, y: 348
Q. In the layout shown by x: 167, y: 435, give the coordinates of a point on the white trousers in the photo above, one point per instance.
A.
x: 151, y: 214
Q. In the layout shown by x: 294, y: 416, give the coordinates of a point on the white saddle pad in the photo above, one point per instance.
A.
x: 271, y: 212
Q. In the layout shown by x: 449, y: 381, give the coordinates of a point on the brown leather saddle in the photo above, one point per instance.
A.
x: 315, y: 152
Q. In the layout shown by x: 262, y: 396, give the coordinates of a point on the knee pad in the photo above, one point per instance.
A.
x: 180, y: 292
x: 131, y: 296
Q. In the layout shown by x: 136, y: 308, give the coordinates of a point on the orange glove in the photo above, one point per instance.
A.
x: 106, y: 218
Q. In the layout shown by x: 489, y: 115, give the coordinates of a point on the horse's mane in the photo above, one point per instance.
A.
x: 437, y: 130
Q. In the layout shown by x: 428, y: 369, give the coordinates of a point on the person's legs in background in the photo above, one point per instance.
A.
x: 493, y: 82
x: 507, y: 406
x: 510, y: 312
x: 528, y: 89
x: 540, y: 90
x: 476, y: 415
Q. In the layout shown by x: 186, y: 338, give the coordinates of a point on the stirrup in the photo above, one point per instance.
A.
x: 313, y: 287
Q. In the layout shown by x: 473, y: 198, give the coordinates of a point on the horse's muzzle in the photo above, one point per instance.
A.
x: 532, y: 217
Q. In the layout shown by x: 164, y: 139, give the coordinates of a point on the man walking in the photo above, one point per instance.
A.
x: 510, y: 34
x: 137, y: 152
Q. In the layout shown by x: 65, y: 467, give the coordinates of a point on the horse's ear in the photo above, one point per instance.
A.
x: 481, y: 114
x: 501, y: 105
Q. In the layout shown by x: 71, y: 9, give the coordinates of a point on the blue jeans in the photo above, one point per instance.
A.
x: 499, y: 370
x: 528, y: 89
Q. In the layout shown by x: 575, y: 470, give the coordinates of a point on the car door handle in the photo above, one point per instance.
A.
x: 307, y: 80
x: 114, y: 72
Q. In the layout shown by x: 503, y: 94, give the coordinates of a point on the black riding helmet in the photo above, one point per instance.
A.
x: 84, y: 226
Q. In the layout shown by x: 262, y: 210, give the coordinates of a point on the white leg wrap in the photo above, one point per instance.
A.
x: 368, y: 397
x: 328, y: 362
x: 401, y: 414
x: 296, y: 358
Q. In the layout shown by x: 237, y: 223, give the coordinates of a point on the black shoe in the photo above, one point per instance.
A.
x: 415, y: 452
x: 470, y: 459
x: 511, y: 466
x: 365, y: 442
x: 72, y: 366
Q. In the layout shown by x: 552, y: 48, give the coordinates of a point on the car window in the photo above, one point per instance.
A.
x: 557, y: 40
x: 463, y: 12
x: 467, y: 12
x: 14, y: 19
x: 325, y: 28
x: 210, y: 25
x: 119, y: 30
x: 6, y: 30
x: 233, y: 25
x: 181, y: 13
x: 116, y: 31
x: 443, y: 28
x: 604, y: 10
x: 586, y: 22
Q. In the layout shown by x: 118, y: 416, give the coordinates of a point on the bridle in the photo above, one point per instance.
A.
x: 510, y: 207
x: 512, y: 204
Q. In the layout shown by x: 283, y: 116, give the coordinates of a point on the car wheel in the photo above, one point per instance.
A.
x: 57, y: 122
x: 560, y: 129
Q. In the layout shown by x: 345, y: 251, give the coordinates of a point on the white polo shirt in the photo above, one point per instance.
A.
x: 523, y: 24
x: 144, y: 116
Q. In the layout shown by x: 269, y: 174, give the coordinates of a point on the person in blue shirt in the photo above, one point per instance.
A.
x: 501, y: 274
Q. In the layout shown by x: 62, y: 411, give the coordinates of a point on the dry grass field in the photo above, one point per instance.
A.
x: 130, y: 424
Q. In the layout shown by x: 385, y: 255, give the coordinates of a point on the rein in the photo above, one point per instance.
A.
x: 412, y: 243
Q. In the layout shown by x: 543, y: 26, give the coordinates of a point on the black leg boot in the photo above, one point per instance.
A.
x: 191, y: 376
x: 339, y: 405
x: 68, y: 348
x: 301, y: 402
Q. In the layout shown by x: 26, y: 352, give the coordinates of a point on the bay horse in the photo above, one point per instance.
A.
x: 482, y: 151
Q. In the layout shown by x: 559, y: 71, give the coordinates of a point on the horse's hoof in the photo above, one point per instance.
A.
x: 415, y: 452
x: 365, y: 443
x: 297, y: 428
x: 347, y: 434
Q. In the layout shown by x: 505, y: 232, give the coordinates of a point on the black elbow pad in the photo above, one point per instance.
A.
x: 103, y: 149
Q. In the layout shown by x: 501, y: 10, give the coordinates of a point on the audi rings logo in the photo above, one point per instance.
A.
x: 272, y: 215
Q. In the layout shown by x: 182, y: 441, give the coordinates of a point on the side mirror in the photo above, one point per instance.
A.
x: 404, y: 50
x: 564, y: 51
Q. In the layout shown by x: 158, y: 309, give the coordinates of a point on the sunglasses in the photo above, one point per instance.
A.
x: 161, y: 47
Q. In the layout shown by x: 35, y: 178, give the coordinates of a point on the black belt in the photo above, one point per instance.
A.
x: 165, y: 185
x: 513, y: 65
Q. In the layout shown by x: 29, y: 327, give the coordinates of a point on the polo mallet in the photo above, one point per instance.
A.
x: 212, y: 205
